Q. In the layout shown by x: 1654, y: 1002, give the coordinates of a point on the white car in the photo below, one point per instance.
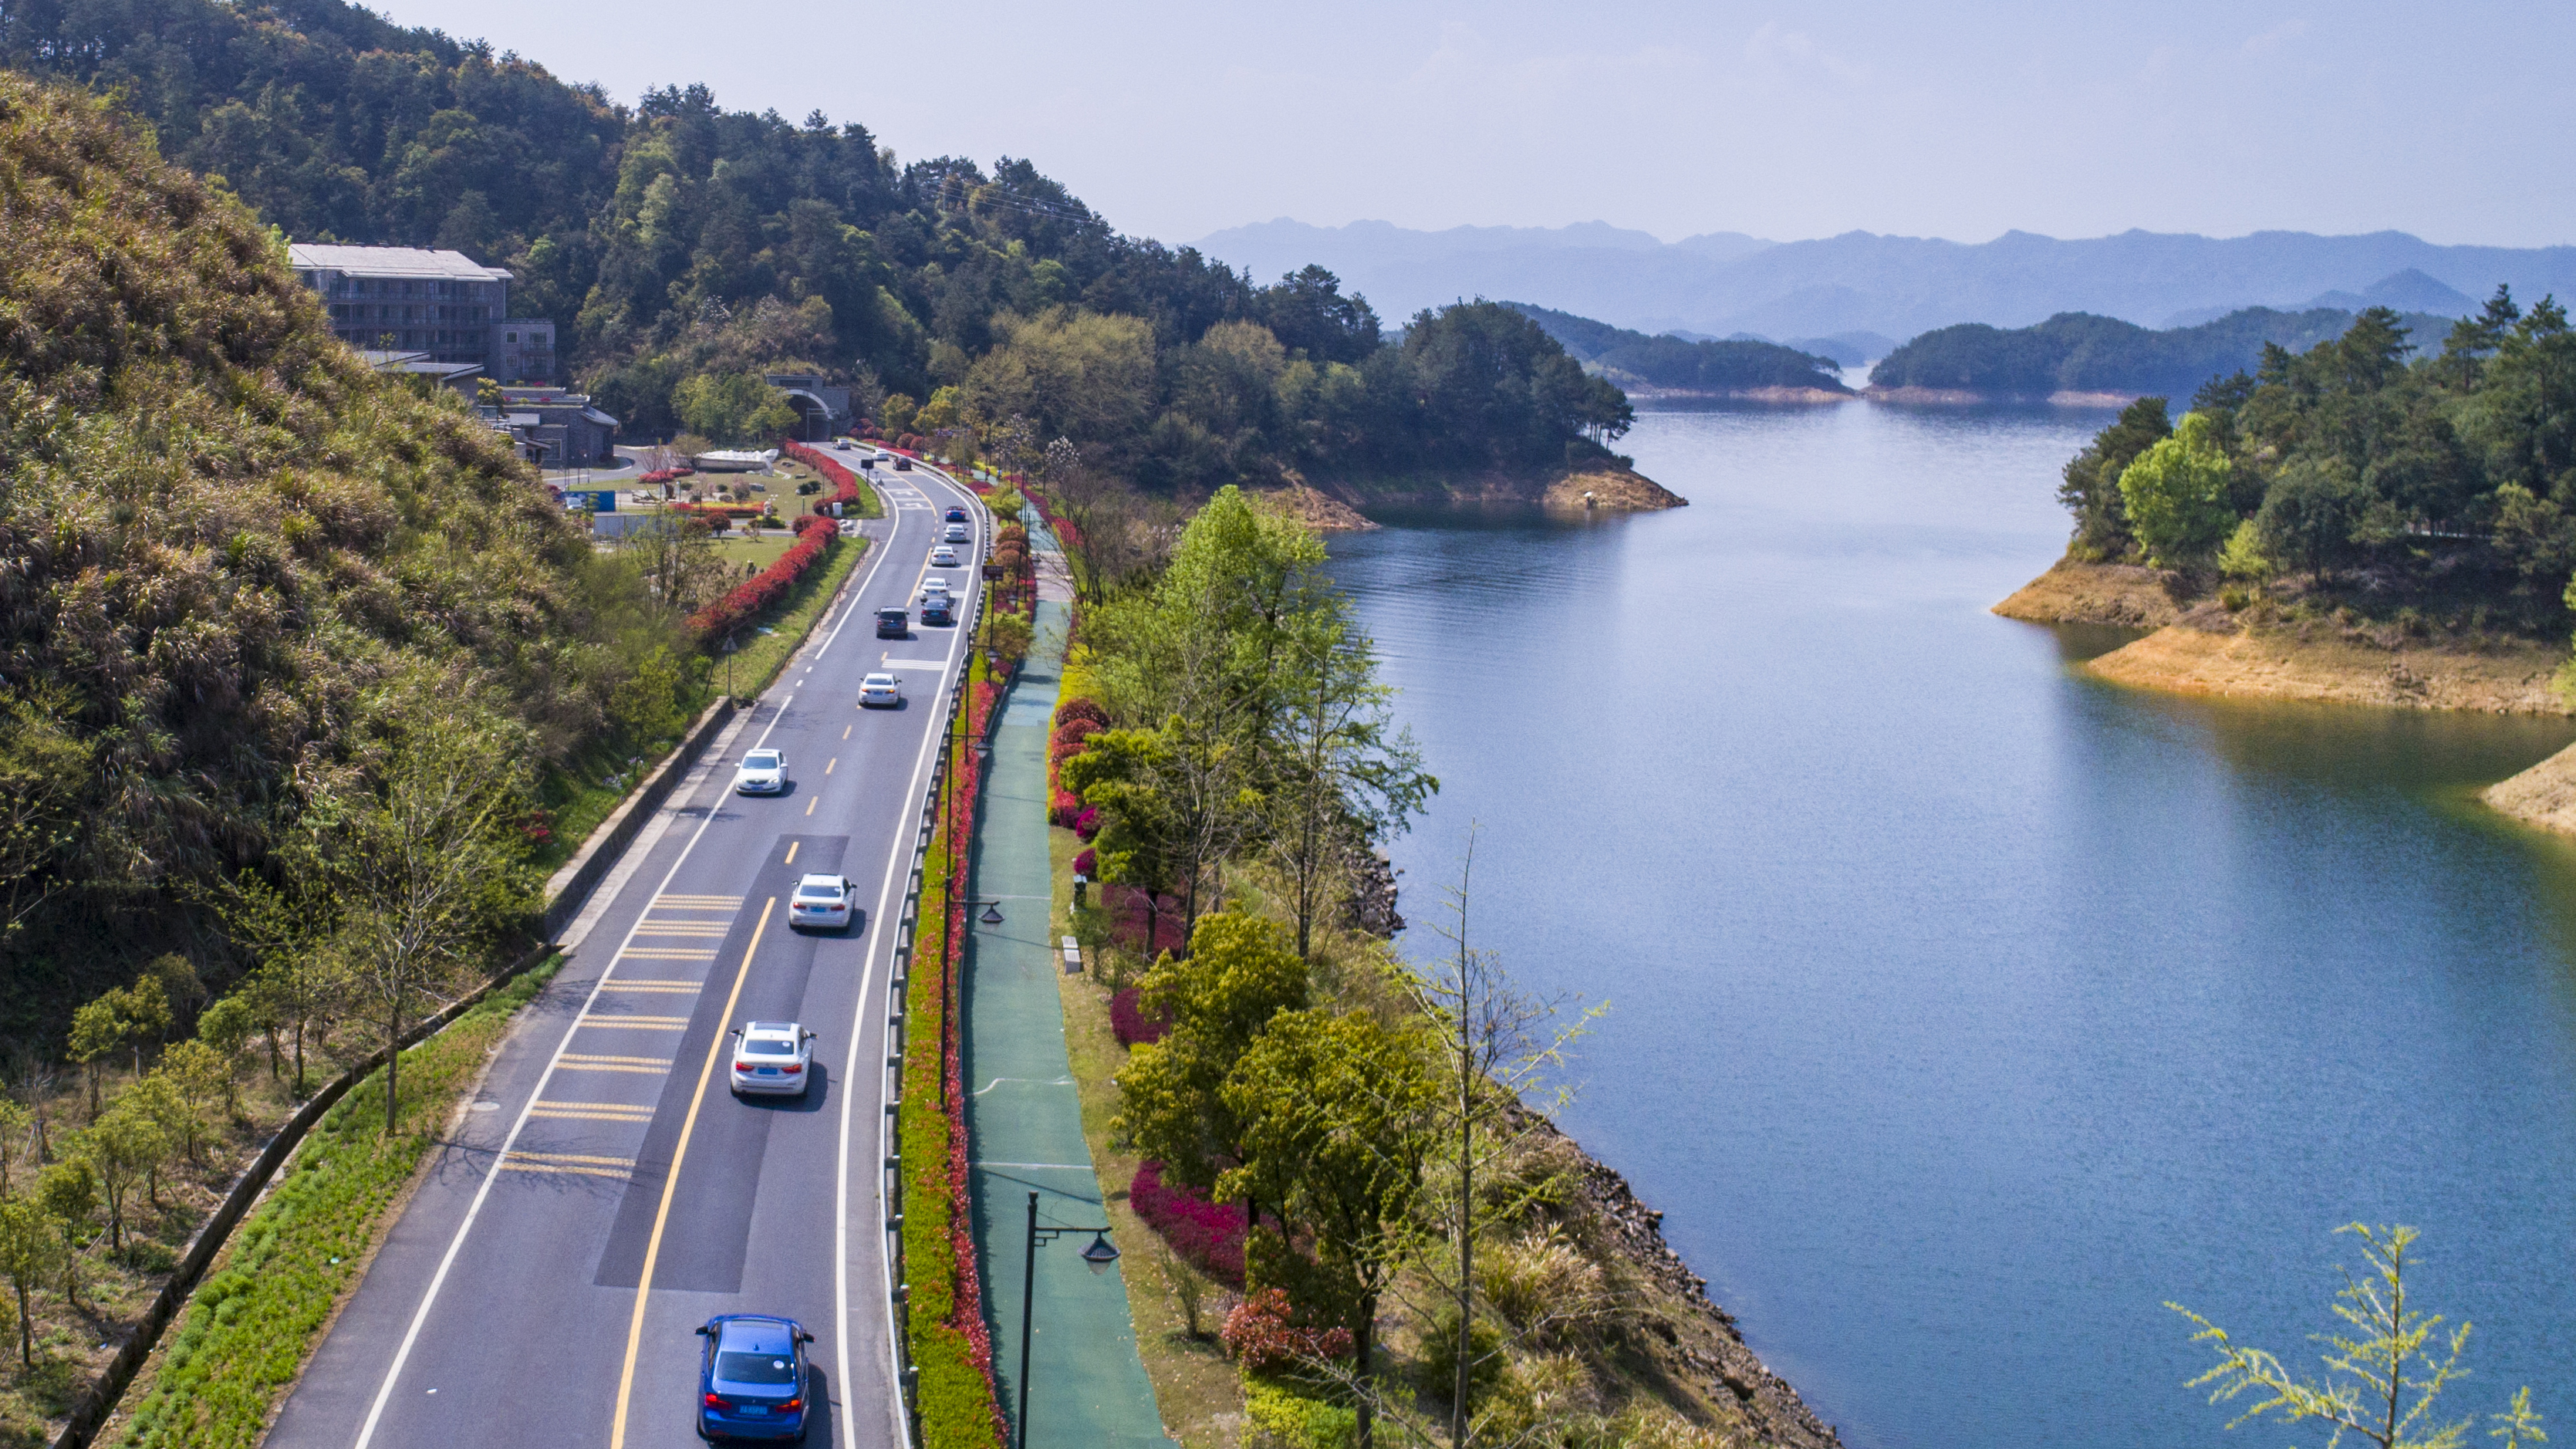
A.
x: 934, y: 585
x: 880, y: 691
x: 824, y: 902
x: 882, y: 457
x: 943, y: 557
x: 957, y: 533
x: 772, y: 1056
x: 763, y: 772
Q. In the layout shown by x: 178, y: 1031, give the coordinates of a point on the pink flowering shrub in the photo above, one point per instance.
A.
x: 1085, y: 862
x: 1208, y: 1235
x: 1086, y: 825
x: 1129, y: 1023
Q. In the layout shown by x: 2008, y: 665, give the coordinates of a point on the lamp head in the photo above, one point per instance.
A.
x: 1099, y: 1255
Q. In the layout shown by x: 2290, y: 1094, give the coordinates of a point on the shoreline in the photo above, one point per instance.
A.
x: 2199, y: 648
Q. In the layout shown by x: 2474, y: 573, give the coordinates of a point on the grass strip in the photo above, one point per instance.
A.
x: 251, y: 1324
x: 757, y: 664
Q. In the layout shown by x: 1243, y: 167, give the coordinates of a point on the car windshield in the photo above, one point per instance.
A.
x: 768, y: 1046
x: 755, y: 1368
x: 880, y: 681
x: 760, y: 760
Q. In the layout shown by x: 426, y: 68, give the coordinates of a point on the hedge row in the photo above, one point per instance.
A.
x: 763, y: 591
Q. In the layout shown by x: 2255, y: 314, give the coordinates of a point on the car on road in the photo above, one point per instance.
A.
x: 751, y: 1378
x: 772, y: 1056
x: 881, y: 691
x: 825, y: 902
x: 762, y: 772
x: 841, y: 444
x: 939, y: 610
x: 954, y: 514
x: 934, y: 584
x: 882, y: 456
x: 894, y: 624
x: 955, y: 533
x: 903, y: 465
x: 944, y: 556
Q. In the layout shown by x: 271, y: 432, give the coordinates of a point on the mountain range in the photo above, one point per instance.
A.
x: 1804, y: 292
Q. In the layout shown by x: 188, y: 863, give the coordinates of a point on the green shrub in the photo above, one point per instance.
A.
x: 1288, y: 1421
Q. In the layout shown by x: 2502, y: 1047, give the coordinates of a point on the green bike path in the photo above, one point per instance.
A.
x: 1087, y: 1386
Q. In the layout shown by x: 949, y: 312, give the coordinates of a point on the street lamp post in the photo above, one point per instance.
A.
x: 1097, y: 1257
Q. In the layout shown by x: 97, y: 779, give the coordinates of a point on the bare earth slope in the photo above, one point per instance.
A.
x: 2082, y: 593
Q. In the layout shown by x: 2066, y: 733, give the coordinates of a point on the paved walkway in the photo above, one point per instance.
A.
x: 1024, y: 1120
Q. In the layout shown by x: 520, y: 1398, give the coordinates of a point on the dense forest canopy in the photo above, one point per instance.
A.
x: 1633, y: 359
x: 682, y: 241
x: 2079, y: 352
x: 2441, y: 483
x: 239, y: 567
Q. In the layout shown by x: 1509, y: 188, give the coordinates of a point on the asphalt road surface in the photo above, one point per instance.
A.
x: 606, y: 1193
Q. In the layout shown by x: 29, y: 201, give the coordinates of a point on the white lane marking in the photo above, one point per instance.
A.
x: 483, y: 1192
x: 895, y: 859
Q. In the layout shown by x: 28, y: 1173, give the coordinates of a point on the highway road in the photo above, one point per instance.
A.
x: 606, y: 1194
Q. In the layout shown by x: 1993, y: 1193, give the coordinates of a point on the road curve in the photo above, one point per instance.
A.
x: 606, y: 1193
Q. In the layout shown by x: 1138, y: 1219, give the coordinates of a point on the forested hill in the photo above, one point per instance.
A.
x: 2079, y: 352
x: 236, y: 567
x: 680, y: 240
x: 1633, y: 359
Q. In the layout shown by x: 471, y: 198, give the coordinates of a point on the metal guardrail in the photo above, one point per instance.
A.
x: 898, y: 981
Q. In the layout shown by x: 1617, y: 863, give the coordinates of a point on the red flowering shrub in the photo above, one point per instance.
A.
x: 763, y: 591
x: 1207, y: 1235
x: 1086, y: 825
x: 1129, y: 913
x: 1262, y: 1333
x: 1070, y: 735
x: 1129, y: 1023
x: 1064, y: 808
x: 1085, y: 860
x: 1080, y: 707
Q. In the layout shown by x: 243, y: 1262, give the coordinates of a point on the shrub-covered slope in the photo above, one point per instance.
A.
x: 2079, y: 352
x: 226, y: 549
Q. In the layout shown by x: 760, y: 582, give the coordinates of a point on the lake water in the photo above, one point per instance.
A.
x: 1965, y: 1010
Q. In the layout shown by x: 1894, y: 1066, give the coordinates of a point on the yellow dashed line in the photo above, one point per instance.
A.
x: 791, y: 845
x: 809, y: 809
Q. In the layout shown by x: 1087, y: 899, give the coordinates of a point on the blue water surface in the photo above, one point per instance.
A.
x: 1964, y: 1009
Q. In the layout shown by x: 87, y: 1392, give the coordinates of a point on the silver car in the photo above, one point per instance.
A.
x: 772, y: 1057
x: 762, y: 772
x: 880, y: 691
x: 957, y: 533
x: 943, y: 557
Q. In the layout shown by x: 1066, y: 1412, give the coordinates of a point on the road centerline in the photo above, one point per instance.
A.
x: 671, y: 1183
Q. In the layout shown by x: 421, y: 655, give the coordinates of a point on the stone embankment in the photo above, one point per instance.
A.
x: 1694, y: 1340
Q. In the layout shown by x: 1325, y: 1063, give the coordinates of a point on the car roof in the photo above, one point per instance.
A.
x: 754, y: 1332
x: 756, y: 754
x: 769, y: 1028
x: 871, y: 679
x: 820, y: 878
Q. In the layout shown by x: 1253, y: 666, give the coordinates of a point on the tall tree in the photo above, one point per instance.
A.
x: 1334, y: 1107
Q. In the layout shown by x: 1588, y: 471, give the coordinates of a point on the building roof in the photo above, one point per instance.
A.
x: 394, y: 262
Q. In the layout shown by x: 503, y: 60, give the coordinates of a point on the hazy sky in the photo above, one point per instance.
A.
x: 2452, y: 120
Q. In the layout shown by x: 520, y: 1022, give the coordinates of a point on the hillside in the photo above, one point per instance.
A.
x: 1673, y: 364
x: 1897, y: 286
x: 2078, y: 353
x: 231, y: 559
x: 683, y: 249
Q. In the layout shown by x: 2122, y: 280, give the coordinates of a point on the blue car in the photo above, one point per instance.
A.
x: 751, y: 1380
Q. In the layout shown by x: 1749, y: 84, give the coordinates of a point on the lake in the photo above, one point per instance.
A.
x: 1964, y: 1010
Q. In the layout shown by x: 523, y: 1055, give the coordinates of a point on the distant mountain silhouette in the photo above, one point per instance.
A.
x: 1727, y: 283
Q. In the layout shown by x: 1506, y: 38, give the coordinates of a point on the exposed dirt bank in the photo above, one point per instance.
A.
x: 2544, y: 795
x: 1742, y: 394
x: 1614, y: 489
x: 1611, y: 490
x: 2082, y: 593
x: 2200, y: 648
x: 1316, y: 509
x: 2318, y: 661
x: 1962, y: 397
